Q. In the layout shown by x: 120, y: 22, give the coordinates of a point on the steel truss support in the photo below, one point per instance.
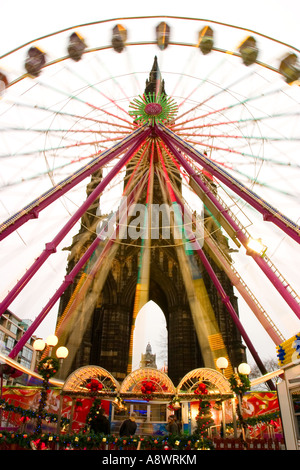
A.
x: 268, y: 212
x: 50, y: 247
x: 69, y: 279
x: 32, y: 210
x: 173, y: 146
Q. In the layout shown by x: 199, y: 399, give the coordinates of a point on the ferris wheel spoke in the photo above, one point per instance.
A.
x: 50, y: 248
x: 32, y: 210
x: 86, y: 103
x: 218, y: 93
x: 96, y: 89
x: 75, y: 117
x: 266, y: 209
x: 229, y: 107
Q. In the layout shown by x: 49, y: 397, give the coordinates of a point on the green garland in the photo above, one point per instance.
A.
x: 239, y: 383
x: 266, y: 419
x: 31, y: 414
x: 88, y: 441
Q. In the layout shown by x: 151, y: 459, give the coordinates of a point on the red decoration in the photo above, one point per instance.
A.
x: 148, y: 387
x: 201, y: 389
x: 38, y: 445
x: 94, y: 385
x: 153, y: 109
x: 24, y: 419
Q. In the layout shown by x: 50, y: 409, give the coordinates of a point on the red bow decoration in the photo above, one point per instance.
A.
x: 24, y: 419
x: 38, y: 445
x: 94, y: 385
x: 201, y: 389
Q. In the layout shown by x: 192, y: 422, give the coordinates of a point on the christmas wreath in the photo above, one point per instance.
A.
x: 48, y: 367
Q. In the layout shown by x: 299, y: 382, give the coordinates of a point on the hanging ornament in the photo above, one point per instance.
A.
x: 201, y: 389
x: 147, y: 389
x: 94, y: 385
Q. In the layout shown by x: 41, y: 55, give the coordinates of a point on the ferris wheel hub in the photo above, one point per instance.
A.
x: 153, y: 109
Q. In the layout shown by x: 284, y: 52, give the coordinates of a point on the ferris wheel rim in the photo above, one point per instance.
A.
x: 92, y: 23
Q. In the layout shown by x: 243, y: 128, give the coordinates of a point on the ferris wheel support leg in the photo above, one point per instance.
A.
x: 32, y: 210
x: 225, y: 299
x: 69, y: 279
x: 239, y: 233
x: 51, y: 246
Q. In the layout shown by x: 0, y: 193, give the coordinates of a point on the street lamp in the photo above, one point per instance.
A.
x: 62, y: 352
x: 222, y: 364
x: 244, y: 368
x: 47, y: 367
x: 240, y: 384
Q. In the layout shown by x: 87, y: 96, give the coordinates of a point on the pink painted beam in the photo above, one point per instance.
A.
x: 69, y: 279
x: 239, y: 233
x: 51, y: 246
x: 32, y: 210
x: 224, y: 297
x: 268, y: 212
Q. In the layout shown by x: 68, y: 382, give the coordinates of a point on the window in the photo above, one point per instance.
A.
x: 158, y: 412
x: 119, y: 415
x: 140, y: 409
x: 10, y: 343
x: 13, y: 328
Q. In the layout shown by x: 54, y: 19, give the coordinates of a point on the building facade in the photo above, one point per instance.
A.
x: 12, y: 329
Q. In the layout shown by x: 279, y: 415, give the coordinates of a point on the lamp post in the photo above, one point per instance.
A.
x: 222, y: 364
x: 47, y: 368
x: 240, y: 384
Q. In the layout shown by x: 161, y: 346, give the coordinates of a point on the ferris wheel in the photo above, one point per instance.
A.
x: 74, y: 103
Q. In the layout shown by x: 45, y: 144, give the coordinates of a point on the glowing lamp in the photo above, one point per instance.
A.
x: 244, y: 369
x: 39, y: 345
x: 62, y: 352
x: 256, y: 246
x: 52, y: 340
x: 222, y: 363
